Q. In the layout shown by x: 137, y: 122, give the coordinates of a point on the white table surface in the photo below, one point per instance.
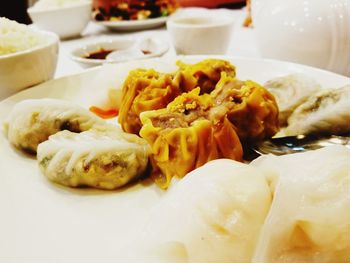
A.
x: 242, y: 41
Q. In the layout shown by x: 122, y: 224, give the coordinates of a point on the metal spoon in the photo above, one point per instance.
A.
x: 299, y: 143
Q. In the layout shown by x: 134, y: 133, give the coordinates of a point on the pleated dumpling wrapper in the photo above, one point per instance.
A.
x: 325, y: 112
x: 32, y: 121
x: 105, y: 160
x: 309, y: 220
x: 290, y: 91
x: 184, y: 137
x: 212, y: 215
x: 248, y: 106
x: 144, y: 90
x: 204, y: 74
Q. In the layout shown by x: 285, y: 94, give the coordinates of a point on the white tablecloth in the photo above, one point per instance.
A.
x: 242, y: 41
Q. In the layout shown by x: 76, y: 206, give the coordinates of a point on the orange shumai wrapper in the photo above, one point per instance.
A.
x: 182, y: 138
x: 250, y: 108
x: 144, y: 90
x: 204, y: 74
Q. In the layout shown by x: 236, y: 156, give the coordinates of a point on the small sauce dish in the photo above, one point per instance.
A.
x: 118, y: 50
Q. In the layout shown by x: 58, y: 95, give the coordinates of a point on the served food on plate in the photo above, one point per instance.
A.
x: 187, y: 134
x: 222, y: 204
x: 326, y: 112
x: 290, y: 91
x: 145, y: 90
x: 278, y: 209
x: 32, y: 121
x: 99, y: 159
x: 132, y: 9
x: 186, y: 130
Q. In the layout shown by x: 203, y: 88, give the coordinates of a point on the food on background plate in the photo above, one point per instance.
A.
x: 326, y: 112
x: 290, y: 91
x: 183, y: 136
x: 50, y: 4
x: 17, y: 37
x: 99, y: 159
x: 105, y: 10
x: 32, y: 121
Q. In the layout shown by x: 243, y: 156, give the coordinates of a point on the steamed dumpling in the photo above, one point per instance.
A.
x: 33, y: 121
x: 290, y: 91
x: 309, y: 220
x: 184, y: 137
x: 213, y: 215
x: 326, y: 112
x: 105, y: 160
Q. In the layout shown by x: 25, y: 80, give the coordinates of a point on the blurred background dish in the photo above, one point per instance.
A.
x: 27, y: 56
x: 133, y: 25
x: 207, y: 33
x: 118, y: 50
x: 65, y: 18
x: 132, y: 14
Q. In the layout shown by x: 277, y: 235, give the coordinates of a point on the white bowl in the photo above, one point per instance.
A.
x: 200, y: 34
x: 67, y: 22
x: 126, y: 46
x: 26, y: 68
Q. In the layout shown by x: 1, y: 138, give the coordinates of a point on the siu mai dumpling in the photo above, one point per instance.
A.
x: 32, y: 121
x: 104, y: 160
x: 204, y: 74
x: 290, y: 91
x: 248, y: 106
x: 182, y: 136
x: 326, y: 112
x: 309, y: 219
x: 144, y: 90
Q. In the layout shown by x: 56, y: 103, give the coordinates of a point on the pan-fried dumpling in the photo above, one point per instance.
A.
x: 290, y: 91
x: 33, y: 121
x: 309, y: 220
x: 144, y: 90
x: 326, y: 112
x: 204, y: 74
x: 183, y: 137
x: 249, y: 107
x: 105, y: 160
x: 213, y: 215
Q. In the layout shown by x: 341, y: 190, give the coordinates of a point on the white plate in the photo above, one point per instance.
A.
x: 43, y: 222
x: 130, y: 25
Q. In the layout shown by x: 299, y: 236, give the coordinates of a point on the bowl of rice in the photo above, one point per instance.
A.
x: 28, y: 56
x: 66, y: 18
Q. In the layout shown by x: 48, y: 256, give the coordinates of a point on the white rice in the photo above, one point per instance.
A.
x: 15, y: 37
x: 48, y: 4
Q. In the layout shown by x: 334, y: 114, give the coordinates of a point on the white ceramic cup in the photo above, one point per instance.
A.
x: 200, y: 34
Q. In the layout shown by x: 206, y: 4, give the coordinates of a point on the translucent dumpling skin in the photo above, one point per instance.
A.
x: 183, y: 138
